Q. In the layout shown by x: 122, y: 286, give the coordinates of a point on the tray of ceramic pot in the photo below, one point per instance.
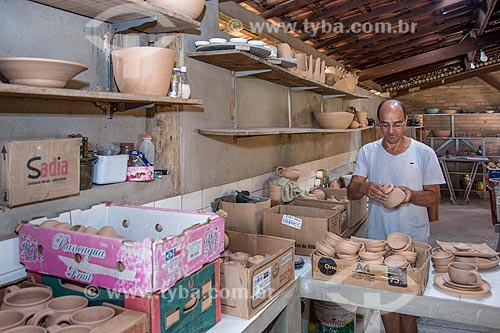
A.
x: 444, y: 283
x: 283, y: 62
x: 468, y: 249
x: 258, y: 51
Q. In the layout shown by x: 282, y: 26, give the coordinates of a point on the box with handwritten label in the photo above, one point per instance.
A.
x: 306, y: 225
x: 146, y: 250
x: 245, y: 291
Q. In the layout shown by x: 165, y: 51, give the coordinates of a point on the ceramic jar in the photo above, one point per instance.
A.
x: 143, y: 70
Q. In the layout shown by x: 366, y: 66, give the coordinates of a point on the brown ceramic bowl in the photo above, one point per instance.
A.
x: 441, y: 133
x: 191, y: 8
x: 334, y: 120
x: 39, y: 72
x: 395, y: 198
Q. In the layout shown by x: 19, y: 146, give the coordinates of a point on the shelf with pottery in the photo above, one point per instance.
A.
x: 14, y: 90
x: 246, y: 64
x: 248, y: 132
x: 117, y: 11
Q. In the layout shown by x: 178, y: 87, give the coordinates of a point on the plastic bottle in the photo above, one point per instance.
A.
x: 148, y: 148
x: 174, y: 83
x: 184, y: 87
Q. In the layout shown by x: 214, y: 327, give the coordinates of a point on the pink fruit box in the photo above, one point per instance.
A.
x: 160, y: 247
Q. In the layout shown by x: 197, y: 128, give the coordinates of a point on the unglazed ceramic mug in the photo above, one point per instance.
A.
x: 10, y: 319
x: 464, y: 273
x: 59, y: 310
x: 26, y: 300
x: 92, y: 316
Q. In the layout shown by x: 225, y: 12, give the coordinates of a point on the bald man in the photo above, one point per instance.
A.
x: 408, y: 164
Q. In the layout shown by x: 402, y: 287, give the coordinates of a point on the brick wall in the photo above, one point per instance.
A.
x: 472, y: 94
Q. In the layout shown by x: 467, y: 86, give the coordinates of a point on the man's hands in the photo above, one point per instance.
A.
x: 380, y: 192
x: 409, y: 194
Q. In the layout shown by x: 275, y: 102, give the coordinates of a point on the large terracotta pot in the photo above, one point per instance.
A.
x: 334, y: 120
x: 143, y: 70
x: 191, y: 8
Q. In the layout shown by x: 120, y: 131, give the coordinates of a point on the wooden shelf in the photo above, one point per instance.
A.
x: 115, y: 11
x: 258, y: 131
x: 239, y: 61
x: 14, y: 90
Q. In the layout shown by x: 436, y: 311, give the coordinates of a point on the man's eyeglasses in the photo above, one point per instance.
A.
x: 397, y: 124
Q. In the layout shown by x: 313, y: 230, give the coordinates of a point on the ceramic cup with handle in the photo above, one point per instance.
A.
x: 464, y: 273
x: 92, y: 316
x: 59, y: 310
x: 10, y: 319
x: 26, y: 300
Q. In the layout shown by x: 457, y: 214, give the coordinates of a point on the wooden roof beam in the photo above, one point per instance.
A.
x: 467, y: 45
x: 433, y: 12
x: 483, y: 16
x: 286, y: 7
x: 398, y: 40
x: 491, y: 80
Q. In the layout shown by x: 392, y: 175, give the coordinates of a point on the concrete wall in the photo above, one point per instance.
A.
x: 202, y: 167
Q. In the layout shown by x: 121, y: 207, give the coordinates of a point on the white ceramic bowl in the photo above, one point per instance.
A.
x: 256, y: 43
x: 238, y: 40
x: 201, y: 43
x: 217, y: 40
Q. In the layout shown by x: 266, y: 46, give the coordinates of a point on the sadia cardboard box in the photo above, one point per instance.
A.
x: 156, y: 249
x: 244, y: 217
x: 411, y: 280
x: 38, y: 170
x: 245, y: 291
x: 356, y: 210
x: 307, y: 225
x: 192, y: 305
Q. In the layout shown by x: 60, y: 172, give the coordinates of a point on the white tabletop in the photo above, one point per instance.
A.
x: 232, y: 324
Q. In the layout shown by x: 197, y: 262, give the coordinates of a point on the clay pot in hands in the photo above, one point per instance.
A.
x: 290, y: 173
x: 143, y: 70
x: 395, y: 197
x: 191, y: 8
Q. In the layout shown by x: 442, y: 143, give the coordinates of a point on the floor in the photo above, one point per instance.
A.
x: 469, y: 223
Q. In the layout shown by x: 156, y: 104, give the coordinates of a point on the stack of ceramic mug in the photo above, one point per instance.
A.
x: 33, y: 310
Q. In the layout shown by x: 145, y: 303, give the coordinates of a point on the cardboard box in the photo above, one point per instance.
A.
x: 245, y: 291
x: 408, y: 281
x: 244, y: 217
x: 161, y: 247
x: 357, y: 210
x: 326, y: 205
x: 167, y: 312
x: 39, y: 170
x: 306, y: 225
x: 124, y: 321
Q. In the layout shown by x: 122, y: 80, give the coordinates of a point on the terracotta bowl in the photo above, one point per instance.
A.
x: 450, y: 111
x: 395, y: 198
x: 191, y: 8
x: 334, y: 120
x: 369, y: 256
x: 39, y: 72
x: 441, y: 133
x: 397, y: 240
x: 143, y: 70
x: 396, y: 261
x: 347, y: 247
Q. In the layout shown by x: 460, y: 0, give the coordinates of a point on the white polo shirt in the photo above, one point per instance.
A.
x: 414, y: 168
